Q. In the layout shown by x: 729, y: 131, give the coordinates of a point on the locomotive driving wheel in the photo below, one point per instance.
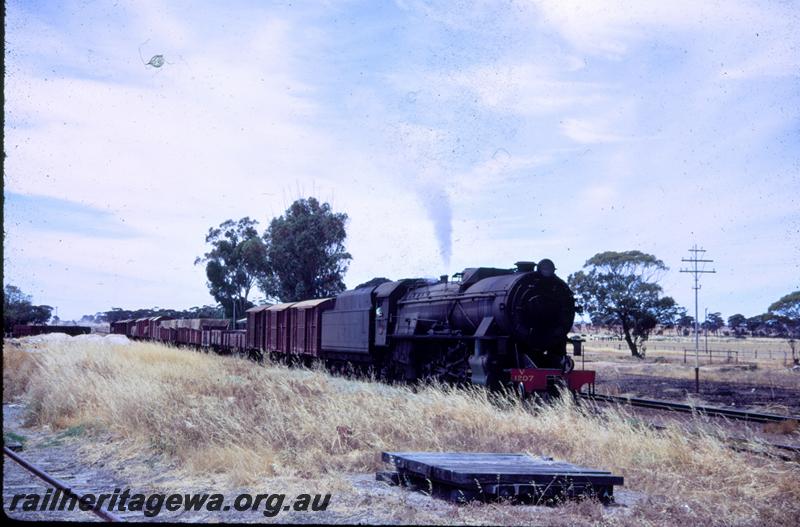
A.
x: 448, y: 365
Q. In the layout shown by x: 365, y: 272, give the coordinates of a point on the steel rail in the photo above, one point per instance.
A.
x: 33, y: 469
x: 744, y: 415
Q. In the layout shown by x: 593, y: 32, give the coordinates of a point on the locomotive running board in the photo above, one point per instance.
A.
x: 520, y: 478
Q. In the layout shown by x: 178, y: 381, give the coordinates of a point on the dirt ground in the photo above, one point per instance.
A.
x: 714, y: 393
x: 766, y: 385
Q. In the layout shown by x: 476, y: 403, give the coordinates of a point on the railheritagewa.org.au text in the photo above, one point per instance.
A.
x: 152, y: 505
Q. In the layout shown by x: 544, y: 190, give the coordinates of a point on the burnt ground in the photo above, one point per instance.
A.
x: 713, y: 393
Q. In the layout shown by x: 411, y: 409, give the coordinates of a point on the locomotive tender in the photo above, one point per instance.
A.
x: 493, y: 327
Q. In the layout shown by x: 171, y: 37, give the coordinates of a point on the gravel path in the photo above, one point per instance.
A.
x: 56, y: 454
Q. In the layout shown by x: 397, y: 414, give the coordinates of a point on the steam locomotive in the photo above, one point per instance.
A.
x: 488, y: 326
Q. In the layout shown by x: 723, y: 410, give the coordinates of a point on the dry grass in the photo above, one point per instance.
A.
x: 244, y: 423
x: 787, y: 427
x: 18, y: 368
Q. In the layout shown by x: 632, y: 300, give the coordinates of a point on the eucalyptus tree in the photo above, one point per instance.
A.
x: 621, y: 290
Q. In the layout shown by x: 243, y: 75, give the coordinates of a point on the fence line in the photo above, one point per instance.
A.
x: 729, y: 354
x: 710, y: 354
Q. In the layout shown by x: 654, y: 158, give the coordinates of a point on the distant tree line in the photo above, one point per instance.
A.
x: 765, y: 325
x: 782, y: 319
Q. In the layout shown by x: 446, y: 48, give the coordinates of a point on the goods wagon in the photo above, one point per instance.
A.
x: 27, y: 330
x: 278, y: 322
x: 257, y: 327
x: 305, y: 326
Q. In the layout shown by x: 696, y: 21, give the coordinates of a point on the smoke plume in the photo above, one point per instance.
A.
x: 437, y: 204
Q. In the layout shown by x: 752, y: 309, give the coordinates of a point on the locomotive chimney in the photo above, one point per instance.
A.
x: 443, y: 279
x: 525, y: 267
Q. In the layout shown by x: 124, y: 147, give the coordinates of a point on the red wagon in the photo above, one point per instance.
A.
x: 306, y: 325
x: 277, y: 328
x: 256, y: 337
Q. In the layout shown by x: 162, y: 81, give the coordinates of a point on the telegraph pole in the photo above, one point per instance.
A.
x: 696, y: 270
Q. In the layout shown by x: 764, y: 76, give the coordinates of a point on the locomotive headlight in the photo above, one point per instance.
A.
x: 546, y: 268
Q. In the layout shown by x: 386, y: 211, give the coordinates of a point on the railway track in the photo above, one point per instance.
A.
x: 780, y: 451
x: 742, y: 415
x: 57, y: 484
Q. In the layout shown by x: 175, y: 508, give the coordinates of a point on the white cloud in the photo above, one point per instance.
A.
x: 780, y: 58
x: 611, y: 28
x: 742, y: 39
x: 527, y: 88
x: 587, y: 132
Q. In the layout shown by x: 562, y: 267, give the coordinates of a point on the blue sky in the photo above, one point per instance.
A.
x: 454, y: 134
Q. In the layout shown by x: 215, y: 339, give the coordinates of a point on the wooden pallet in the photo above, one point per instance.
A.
x: 467, y: 476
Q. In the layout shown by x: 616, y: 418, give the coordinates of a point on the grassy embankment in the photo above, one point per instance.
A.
x: 245, y: 424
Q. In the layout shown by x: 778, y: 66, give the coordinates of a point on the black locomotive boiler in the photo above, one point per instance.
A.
x: 488, y: 326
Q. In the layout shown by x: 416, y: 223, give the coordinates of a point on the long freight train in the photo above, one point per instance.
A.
x: 493, y: 327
